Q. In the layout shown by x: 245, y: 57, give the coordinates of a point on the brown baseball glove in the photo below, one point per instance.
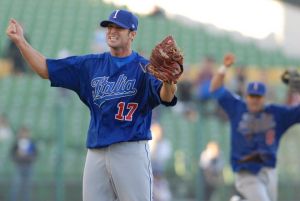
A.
x: 166, y: 61
x: 291, y: 78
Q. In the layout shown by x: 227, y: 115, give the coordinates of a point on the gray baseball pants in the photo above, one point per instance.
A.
x: 260, y: 187
x: 120, y: 172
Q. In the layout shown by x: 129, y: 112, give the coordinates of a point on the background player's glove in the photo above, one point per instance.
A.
x: 166, y: 61
x: 291, y: 78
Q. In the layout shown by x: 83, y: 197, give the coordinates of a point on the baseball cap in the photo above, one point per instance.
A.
x: 122, y: 18
x: 256, y: 88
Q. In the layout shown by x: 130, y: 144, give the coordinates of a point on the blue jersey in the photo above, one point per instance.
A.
x: 118, y: 92
x: 255, y: 134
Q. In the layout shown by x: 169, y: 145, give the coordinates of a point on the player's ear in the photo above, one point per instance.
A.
x: 132, y: 34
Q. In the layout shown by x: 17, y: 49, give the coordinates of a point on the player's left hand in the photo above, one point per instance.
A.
x: 291, y: 78
x: 166, y: 61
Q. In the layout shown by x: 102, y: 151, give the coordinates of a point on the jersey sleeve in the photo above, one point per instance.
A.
x: 65, y: 72
x: 227, y: 100
x: 288, y: 115
x: 154, y: 93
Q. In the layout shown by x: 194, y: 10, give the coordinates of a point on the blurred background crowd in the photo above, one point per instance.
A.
x: 43, y: 129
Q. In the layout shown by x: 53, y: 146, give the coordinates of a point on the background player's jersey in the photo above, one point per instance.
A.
x: 118, y: 92
x: 257, y: 134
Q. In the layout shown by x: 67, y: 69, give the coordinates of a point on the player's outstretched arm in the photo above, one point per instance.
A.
x: 167, y: 91
x: 218, y: 78
x: 36, y: 60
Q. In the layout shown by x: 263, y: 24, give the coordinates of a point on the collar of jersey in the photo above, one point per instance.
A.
x: 121, y: 61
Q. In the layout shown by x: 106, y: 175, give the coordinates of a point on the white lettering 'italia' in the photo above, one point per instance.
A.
x: 104, y: 89
x: 251, y: 124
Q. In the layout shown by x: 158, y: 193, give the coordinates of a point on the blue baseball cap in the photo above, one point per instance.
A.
x: 256, y: 88
x: 122, y: 18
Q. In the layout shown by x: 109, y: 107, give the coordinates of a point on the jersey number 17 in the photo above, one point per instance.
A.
x: 131, y: 107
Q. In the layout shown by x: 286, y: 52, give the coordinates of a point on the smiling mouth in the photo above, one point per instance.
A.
x: 112, y: 37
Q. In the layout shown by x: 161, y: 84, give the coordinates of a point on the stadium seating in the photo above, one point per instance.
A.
x: 60, y: 24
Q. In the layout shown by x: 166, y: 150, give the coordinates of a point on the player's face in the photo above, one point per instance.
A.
x: 255, y: 103
x: 118, y: 37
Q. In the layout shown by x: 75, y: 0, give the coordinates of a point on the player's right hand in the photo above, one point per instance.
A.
x: 15, y: 31
x: 228, y: 59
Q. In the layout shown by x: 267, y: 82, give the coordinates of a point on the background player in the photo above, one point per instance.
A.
x: 120, y: 96
x: 256, y: 130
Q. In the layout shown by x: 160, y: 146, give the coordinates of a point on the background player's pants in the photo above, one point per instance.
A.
x: 260, y: 187
x: 120, y: 172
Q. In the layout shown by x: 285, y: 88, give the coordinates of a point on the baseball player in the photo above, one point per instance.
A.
x: 120, y: 96
x: 256, y: 130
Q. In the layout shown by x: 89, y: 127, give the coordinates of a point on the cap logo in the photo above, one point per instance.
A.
x: 115, y: 16
x: 255, y: 86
